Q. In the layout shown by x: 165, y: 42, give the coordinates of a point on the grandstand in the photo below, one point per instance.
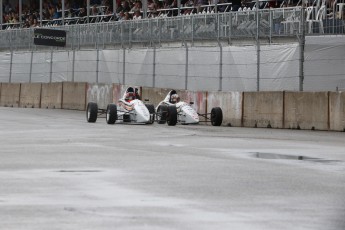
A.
x: 272, y: 47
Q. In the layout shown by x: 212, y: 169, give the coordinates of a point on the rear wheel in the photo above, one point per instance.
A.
x: 151, y: 110
x: 172, y: 115
x: 216, y: 116
x: 162, y: 114
x: 91, y: 112
x: 111, y: 116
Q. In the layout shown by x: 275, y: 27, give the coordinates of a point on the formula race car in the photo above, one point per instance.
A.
x: 130, y: 109
x: 171, y: 110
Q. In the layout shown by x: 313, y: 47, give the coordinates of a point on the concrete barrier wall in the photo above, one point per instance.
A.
x: 10, y: 94
x: 30, y: 95
x: 102, y: 94
x: 263, y: 109
x: 118, y: 91
x: 154, y: 95
x: 306, y: 110
x: 51, y: 96
x: 74, y: 95
x: 294, y: 110
x: 337, y: 111
x: 231, y: 105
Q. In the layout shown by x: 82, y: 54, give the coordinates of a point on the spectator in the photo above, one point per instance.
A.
x: 236, y: 4
x: 124, y: 6
x: 137, y: 15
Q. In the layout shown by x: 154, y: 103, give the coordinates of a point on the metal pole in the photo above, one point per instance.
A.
x: 114, y: 8
x: 20, y: 12
x: 41, y: 13
x: 1, y: 14
x: 178, y: 7
x: 220, y: 67
x: 51, y: 65
x: 257, y: 46
x: 11, y: 63
x: 302, y: 47
x: 124, y: 67
x: 97, y: 66
x: 154, y: 67
x: 63, y: 12
x: 73, y: 63
x: 186, y: 70
x: 30, y: 74
x: 88, y: 11
x: 144, y: 7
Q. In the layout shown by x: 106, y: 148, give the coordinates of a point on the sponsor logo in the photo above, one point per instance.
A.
x: 49, y: 37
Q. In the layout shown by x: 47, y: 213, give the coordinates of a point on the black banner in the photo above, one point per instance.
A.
x: 49, y: 37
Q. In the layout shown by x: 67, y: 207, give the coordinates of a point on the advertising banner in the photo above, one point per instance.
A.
x: 50, y: 37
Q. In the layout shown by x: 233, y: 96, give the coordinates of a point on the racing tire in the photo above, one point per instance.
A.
x: 216, y: 116
x: 162, y: 114
x: 111, y: 115
x: 91, y: 112
x: 172, y: 115
x: 151, y: 110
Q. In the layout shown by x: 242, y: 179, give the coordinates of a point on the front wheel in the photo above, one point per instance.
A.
x: 91, y: 112
x: 172, y: 115
x: 111, y: 116
x: 216, y: 116
x: 162, y: 114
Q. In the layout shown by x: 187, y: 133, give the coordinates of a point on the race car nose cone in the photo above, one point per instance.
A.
x: 143, y: 114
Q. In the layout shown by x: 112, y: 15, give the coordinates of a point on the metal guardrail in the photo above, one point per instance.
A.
x: 280, y: 22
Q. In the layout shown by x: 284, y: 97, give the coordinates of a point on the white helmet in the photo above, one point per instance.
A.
x: 175, y: 98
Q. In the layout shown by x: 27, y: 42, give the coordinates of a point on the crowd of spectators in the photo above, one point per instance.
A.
x: 102, y: 10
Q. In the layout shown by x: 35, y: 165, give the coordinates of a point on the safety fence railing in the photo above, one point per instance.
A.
x: 267, y: 24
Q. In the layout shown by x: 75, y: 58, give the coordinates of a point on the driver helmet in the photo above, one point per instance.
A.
x: 130, y: 96
x: 175, y: 98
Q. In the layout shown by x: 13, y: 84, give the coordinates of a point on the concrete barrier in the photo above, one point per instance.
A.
x: 102, y: 94
x: 51, y: 96
x: 306, y: 110
x: 30, y: 95
x: 118, y: 91
x: 231, y: 105
x: 10, y: 94
x: 337, y: 111
x: 263, y: 109
x: 74, y: 95
x: 154, y: 95
x: 294, y: 110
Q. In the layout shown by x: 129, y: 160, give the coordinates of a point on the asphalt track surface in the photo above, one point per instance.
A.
x: 59, y: 172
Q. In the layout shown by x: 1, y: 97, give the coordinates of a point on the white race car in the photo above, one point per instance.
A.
x: 130, y: 109
x: 171, y: 110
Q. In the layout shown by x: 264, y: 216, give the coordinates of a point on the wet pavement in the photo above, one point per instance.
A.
x: 59, y: 172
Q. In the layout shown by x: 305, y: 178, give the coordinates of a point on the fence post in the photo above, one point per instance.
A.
x: 257, y: 47
x: 73, y: 63
x: 30, y: 74
x: 11, y: 63
x: 220, y: 67
x: 154, y: 67
x: 186, y: 69
x: 51, y: 66
x: 97, y: 66
x: 124, y: 67
x: 302, y: 46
